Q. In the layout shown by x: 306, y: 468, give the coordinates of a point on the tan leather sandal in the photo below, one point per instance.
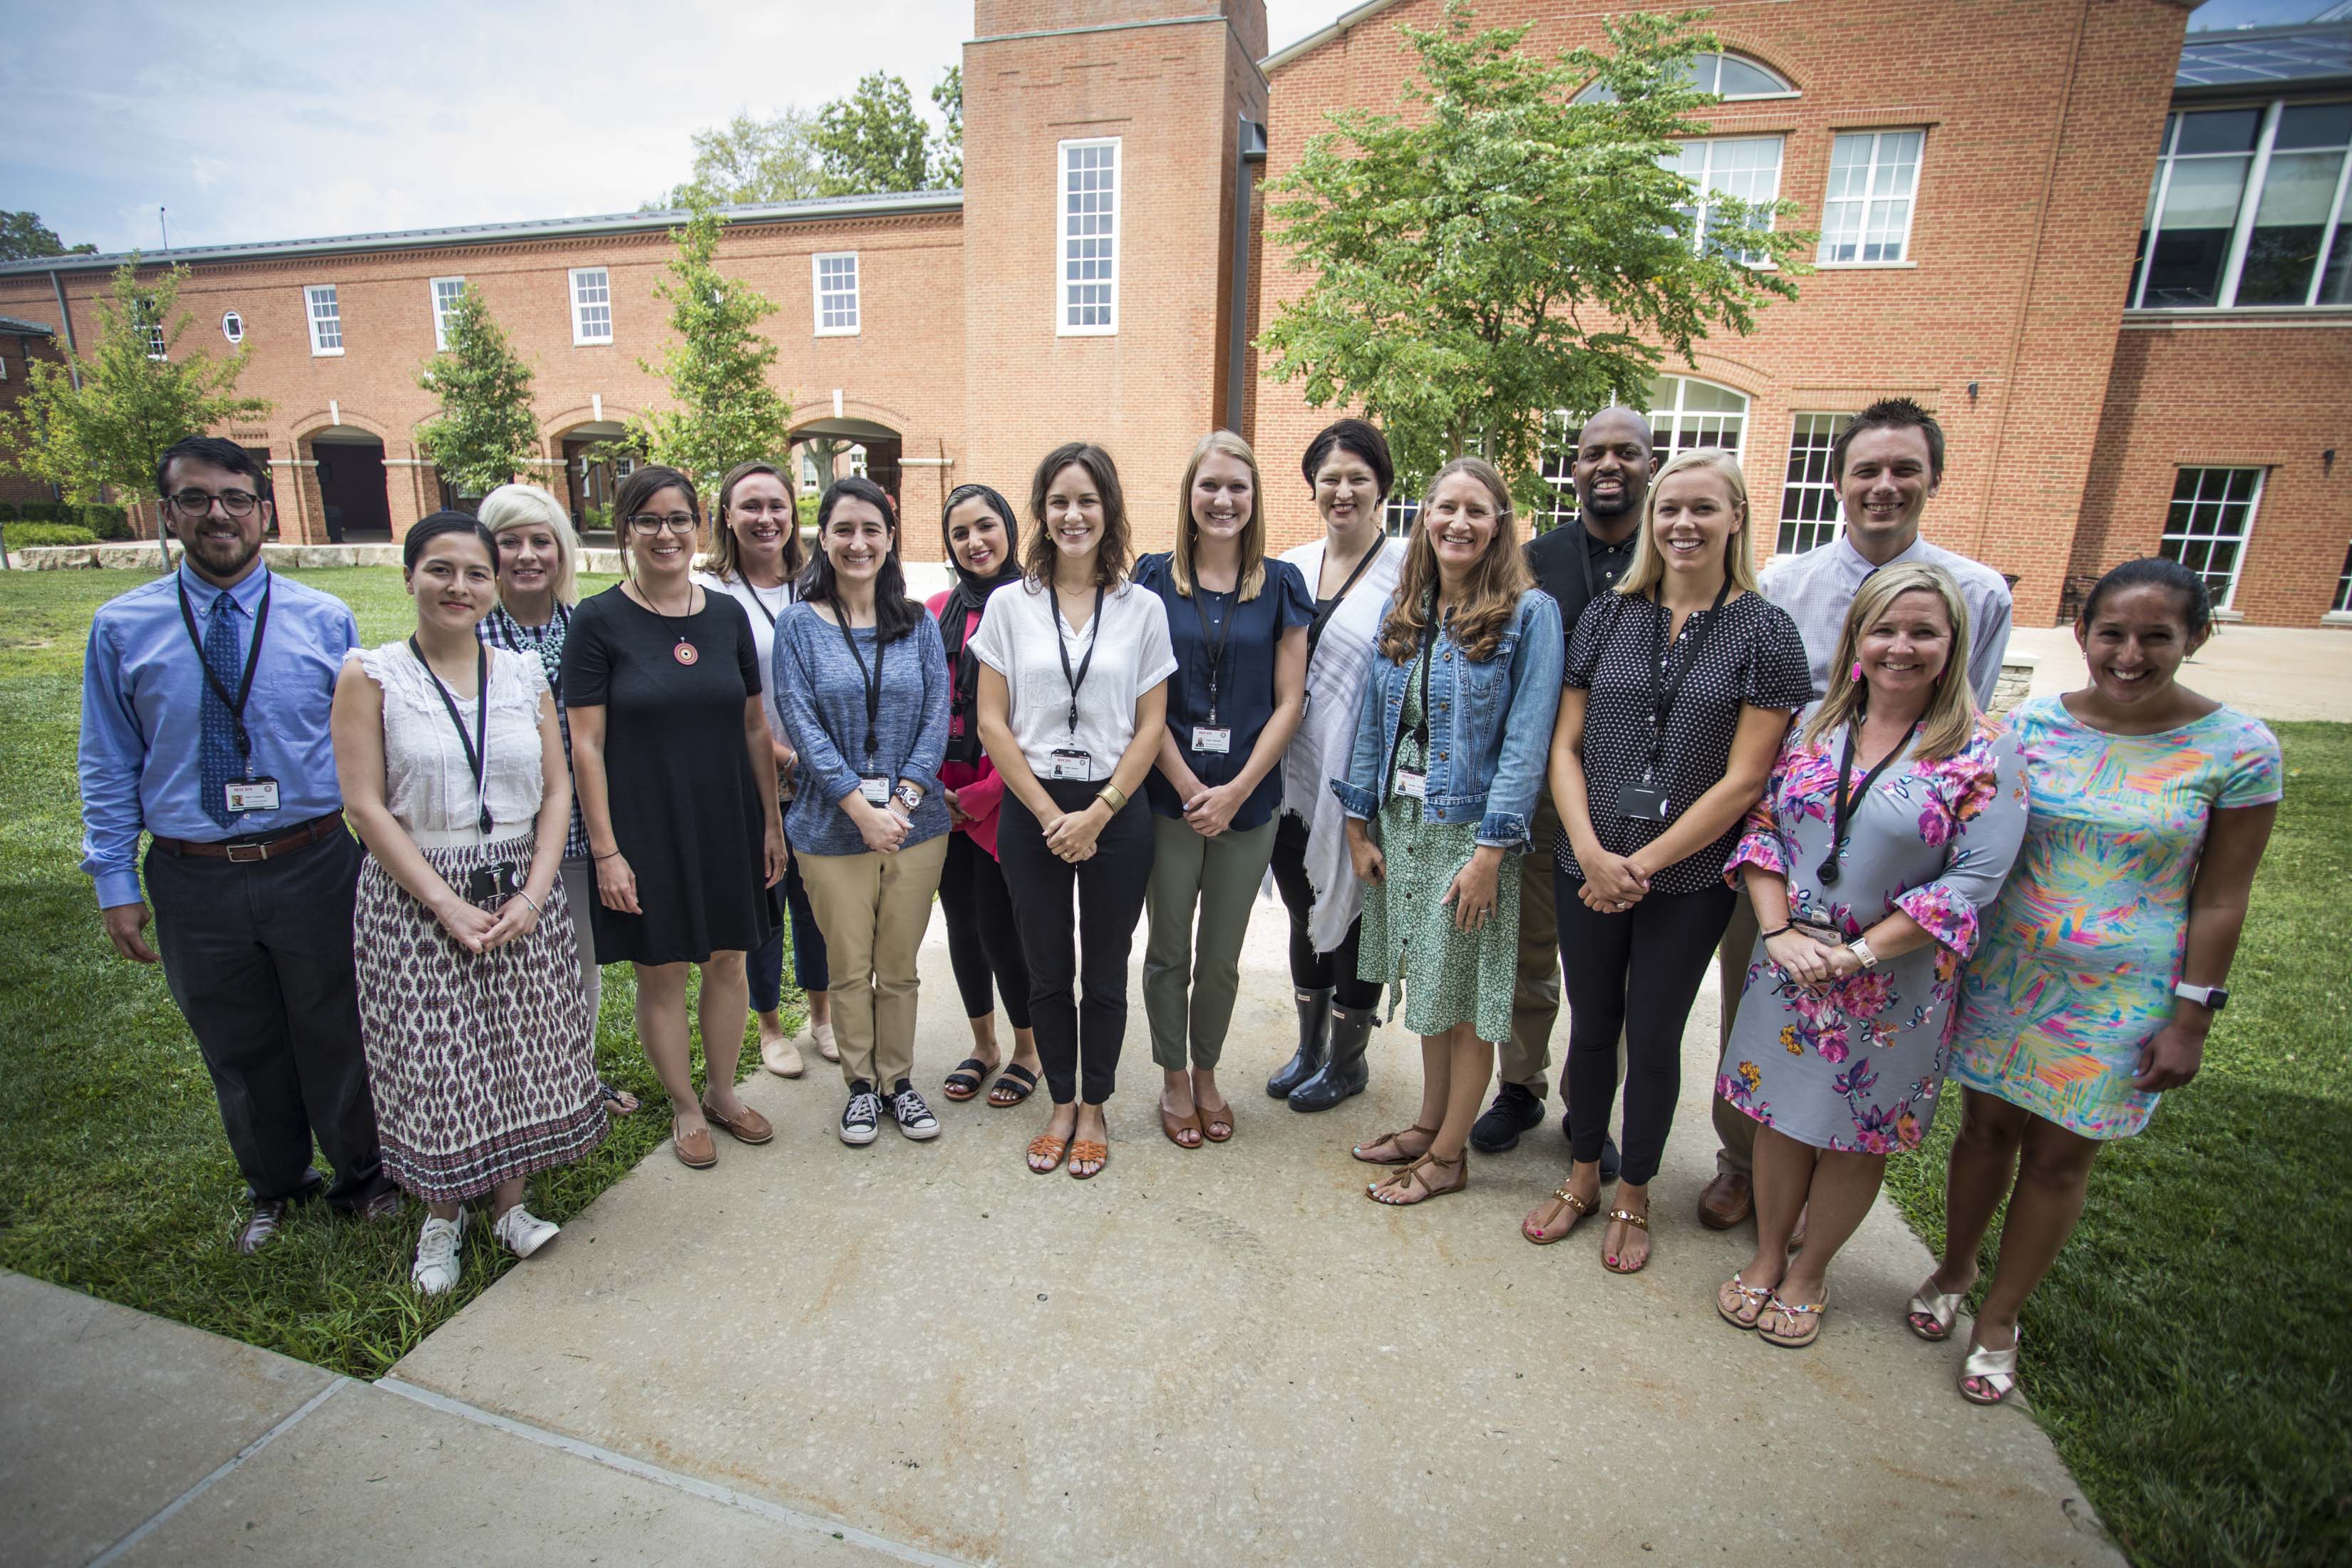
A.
x: 1538, y: 1220
x: 1048, y: 1148
x: 1393, y: 1191
x: 1640, y: 1222
x: 1086, y: 1152
x: 1213, y: 1120
x: 1398, y: 1158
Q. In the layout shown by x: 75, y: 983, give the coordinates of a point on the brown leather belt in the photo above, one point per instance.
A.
x: 248, y: 853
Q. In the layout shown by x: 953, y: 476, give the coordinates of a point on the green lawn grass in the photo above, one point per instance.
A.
x: 114, y: 1175
x: 2188, y: 1354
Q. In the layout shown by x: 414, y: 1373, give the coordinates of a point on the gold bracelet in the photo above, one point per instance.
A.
x: 1111, y: 796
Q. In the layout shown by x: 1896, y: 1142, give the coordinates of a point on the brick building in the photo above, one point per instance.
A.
x: 2116, y: 270
x: 22, y: 342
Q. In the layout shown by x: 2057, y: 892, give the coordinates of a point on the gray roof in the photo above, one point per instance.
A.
x: 811, y: 210
x: 22, y: 328
x: 2310, y: 55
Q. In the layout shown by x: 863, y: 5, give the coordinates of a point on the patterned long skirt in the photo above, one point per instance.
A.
x: 482, y: 1065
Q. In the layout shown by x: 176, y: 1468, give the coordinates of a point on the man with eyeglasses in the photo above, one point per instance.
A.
x: 204, y: 722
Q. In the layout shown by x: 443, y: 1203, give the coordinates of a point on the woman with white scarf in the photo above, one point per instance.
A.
x: 1353, y: 571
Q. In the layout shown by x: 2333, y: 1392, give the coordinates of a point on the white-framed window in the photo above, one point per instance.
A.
x: 1397, y: 517
x: 856, y: 460
x: 2344, y: 586
x: 810, y: 483
x: 1684, y: 412
x: 326, y: 313
x: 833, y: 275
x: 592, y: 306
x: 1090, y: 237
x: 2247, y: 209
x: 2206, y: 528
x: 4, y: 367
x: 445, y: 299
x: 1873, y: 174
x: 1733, y: 77
x: 1811, y: 514
x: 232, y: 328
x: 1744, y: 168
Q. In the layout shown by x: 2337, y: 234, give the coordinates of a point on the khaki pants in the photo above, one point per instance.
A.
x: 1525, y: 1059
x: 1734, y: 1129
x: 873, y: 910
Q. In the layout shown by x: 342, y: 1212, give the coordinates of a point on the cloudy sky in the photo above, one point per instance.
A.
x: 277, y: 121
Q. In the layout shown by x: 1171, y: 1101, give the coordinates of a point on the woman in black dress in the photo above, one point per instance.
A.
x: 673, y: 759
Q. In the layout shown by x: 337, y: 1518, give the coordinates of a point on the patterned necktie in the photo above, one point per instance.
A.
x: 216, y: 756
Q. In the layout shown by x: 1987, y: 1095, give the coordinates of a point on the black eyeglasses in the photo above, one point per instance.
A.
x: 199, y: 503
x: 676, y: 522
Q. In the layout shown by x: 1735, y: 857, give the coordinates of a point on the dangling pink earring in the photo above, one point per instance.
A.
x: 1856, y: 674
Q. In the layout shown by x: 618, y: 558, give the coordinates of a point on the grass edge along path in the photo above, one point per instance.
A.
x: 2188, y: 1355
x: 114, y: 1176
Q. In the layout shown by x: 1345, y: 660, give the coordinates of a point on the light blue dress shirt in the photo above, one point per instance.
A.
x: 141, y: 701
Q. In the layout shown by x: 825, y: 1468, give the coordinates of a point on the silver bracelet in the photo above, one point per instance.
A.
x: 526, y: 899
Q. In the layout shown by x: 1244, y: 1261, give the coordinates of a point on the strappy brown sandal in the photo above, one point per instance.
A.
x: 1213, y: 1120
x: 1640, y: 1222
x: 1086, y: 1151
x: 1418, y: 1173
x: 1576, y: 1206
x: 1399, y: 1157
x: 1048, y: 1148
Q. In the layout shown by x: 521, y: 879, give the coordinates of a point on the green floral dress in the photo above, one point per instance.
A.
x: 1448, y: 975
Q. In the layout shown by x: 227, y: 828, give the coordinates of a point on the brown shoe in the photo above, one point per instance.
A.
x: 260, y: 1226
x: 694, y: 1149
x: 749, y: 1127
x: 1726, y: 1201
x: 384, y: 1205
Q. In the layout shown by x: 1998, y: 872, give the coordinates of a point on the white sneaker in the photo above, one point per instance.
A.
x: 822, y: 1035
x: 437, y: 1268
x: 522, y: 1233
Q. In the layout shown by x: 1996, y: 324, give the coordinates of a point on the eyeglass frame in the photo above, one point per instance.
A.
x: 225, y: 499
x: 650, y: 523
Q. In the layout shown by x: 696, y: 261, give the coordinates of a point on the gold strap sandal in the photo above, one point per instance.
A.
x: 1995, y: 1372
x: 1639, y: 1222
x: 1930, y: 1312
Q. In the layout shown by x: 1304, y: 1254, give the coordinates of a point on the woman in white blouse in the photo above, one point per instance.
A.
x: 479, y: 1044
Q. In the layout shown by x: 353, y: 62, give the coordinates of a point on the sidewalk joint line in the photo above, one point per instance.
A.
x: 774, y: 1512
x: 161, y: 1515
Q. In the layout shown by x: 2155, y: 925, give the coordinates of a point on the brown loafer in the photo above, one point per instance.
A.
x: 1726, y: 1201
x: 751, y: 1127
x: 694, y: 1149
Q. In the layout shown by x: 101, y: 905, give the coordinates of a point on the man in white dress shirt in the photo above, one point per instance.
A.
x: 1886, y: 465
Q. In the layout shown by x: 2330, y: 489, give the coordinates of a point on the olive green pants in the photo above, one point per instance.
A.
x: 1190, y: 977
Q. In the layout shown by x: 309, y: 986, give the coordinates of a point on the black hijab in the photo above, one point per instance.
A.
x: 967, y: 598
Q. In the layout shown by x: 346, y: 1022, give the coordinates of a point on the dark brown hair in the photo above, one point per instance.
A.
x: 1891, y: 414
x: 1497, y: 582
x: 1112, y: 556
x: 642, y: 485
x: 1357, y: 436
x: 724, y: 564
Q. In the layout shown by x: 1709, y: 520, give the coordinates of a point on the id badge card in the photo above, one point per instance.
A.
x: 486, y: 883
x: 1642, y: 802
x: 1066, y: 763
x: 1411, y: 785
x: 1213, y: 740
x: 875, y: 789
x: 251, y: 795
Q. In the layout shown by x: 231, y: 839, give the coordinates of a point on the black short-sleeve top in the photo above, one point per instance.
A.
x: 1752, y: 657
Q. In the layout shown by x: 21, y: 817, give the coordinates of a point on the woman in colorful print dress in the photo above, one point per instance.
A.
x: 1868, y: 911
x: 2102, y: 965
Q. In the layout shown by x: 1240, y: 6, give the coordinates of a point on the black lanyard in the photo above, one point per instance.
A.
x: 235, y: 704
x: 478, y: 760
x: 1094, y: 636
x: 1224, y: 638
x: 1426, y: 657
x: 762, y: 605
x: 1844, y: 809
x: 873, y: 683
x: 1326, y: 610
x: 1665, y: 687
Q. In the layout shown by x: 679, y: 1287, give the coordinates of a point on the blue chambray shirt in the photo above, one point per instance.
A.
x: 142, y: 700
x: 1490, y: 726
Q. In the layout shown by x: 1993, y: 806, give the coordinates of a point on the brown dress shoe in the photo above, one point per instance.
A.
x: 748, y: 1127
x: 384, y: 1205
x: 260, y: 1226
x: 693, y: 1149
x: 1726, y: 1201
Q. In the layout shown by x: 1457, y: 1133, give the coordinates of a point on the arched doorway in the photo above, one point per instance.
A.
x: 824, y: 449
x: 350, y: 474
x: 591, y: 477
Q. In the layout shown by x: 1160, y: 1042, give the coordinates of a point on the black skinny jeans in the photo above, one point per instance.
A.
x: 1072, y: 1035
x: 1638, y: 971
x: 1310, y: 969
x: 983, y: 942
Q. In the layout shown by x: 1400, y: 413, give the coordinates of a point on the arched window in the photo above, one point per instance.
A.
x: 1684, y: 412
x: 1733, y: 77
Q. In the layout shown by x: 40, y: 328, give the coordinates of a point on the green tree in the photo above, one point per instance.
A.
x: 24, y: 237
x: 718, y: 371
x: 947, y: 156
x: 1500, y: 252
x: 749, y: 160
x: 102, y: 422
x: 486, y: 433
x: 873, y: 141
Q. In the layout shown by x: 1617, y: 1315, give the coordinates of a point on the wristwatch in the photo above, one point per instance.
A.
x: 908, y: 795
x: 1862, y: 953
x: 2212, y: 996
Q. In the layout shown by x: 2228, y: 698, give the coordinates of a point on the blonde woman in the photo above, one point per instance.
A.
x: 1889, y: 824
x: 1679, y: 688
x: 1441, y: 779
x: 1238, y: 623
x: 538, y: 566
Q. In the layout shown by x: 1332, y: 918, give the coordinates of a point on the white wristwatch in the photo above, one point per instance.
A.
x: 1861, y: 950
x: 2209, y: 996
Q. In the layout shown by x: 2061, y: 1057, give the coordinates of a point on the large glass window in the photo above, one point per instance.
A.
x: 1810, y: 515
x: 1873, y: 177
x: 2344, y: 585
x: 445, y: 299
x: 2212, y: 513
x: 326, y: 313
x: 591, y: 305
x: 1684, y: 412
x: 1089, y: 234
x: 2247, y: 209
x: 1745, y: 168
x: 1734, y: 77
x: 836, y: 293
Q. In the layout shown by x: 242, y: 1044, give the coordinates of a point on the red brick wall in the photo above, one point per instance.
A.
x: 16, y: 349
x: 2246, y: 397
x: 2033, y: 178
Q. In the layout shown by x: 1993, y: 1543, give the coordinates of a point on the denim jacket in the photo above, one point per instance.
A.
x: 1490, y: 726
